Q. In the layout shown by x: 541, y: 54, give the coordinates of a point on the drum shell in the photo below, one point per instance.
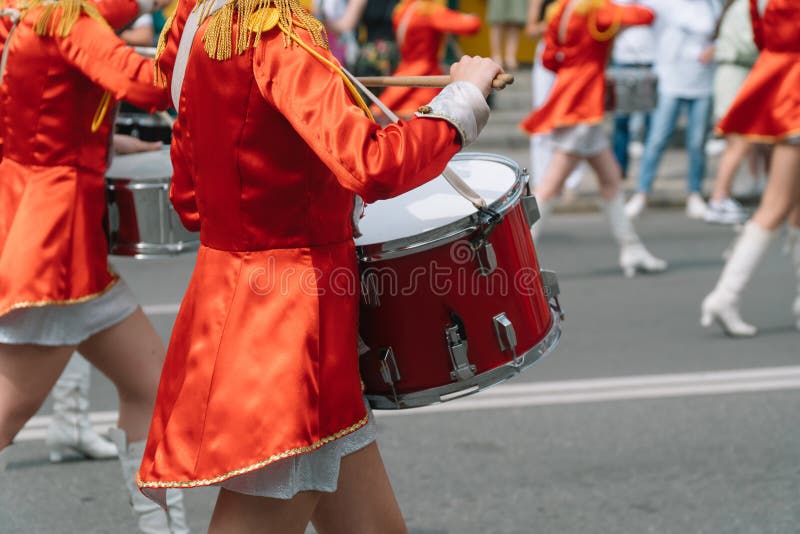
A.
x: 629, y: 90
x: 141, y: 221
x: 416, y: 312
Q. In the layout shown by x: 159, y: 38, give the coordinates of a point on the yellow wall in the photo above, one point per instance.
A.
x: 478, y: 44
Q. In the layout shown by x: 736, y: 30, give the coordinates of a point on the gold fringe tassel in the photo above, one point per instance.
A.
x: 57, y: 18
x: 159, y: 79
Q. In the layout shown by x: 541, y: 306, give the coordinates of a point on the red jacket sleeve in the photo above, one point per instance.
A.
x: 371, y: 161
x: 182, y: 192
x: 449, y: 21
x: 118, y: 13
x: 612, y: 14
x: 105, y: 59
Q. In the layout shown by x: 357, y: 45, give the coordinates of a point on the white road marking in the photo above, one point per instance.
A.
x: 520, y: 395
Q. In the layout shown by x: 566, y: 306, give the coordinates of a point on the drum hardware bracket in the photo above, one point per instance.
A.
x: 507, y: 337
x: 369, y: 289
x: 531, y: 208
x: 484, y: 251
x: 457, y: 346
x: 552, y: 291
x: 388, y: 366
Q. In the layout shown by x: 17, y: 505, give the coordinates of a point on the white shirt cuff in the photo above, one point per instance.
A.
x: 461, y: 104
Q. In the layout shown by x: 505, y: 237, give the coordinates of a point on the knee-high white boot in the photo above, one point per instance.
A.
x: 70, y: 428
x: 794, y: 250
x: 152, y: 518
x: 722, y: 304
x: 633, y: 256
x: 545, y: 210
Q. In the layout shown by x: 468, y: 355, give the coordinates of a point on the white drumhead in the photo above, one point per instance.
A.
x: 436, y: 203
x: 154, y: 165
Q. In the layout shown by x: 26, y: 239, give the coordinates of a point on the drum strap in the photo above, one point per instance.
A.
x: 185, y: 47
x: 456, y: 182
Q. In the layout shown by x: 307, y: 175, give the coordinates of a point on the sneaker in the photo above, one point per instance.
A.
x: 636, y: 149
x: 696, y: 207
x: 715, y: 147
x: 636, y: 205
x: 726, y: 211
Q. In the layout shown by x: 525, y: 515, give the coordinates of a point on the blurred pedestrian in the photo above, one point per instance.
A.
x: 506, y: 18
x: 685, y: 67
x: 634, y: 48
x: 377, y: 52
x: 340, y: 18
x: 543, y: 79
x: 768, y: 109
x: 579, y: 37
x: 141, y: 32
x: 420, y: 28
x: 735, y: 53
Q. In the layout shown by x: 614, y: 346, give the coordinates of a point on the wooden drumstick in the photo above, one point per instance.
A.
x: 500, y: 81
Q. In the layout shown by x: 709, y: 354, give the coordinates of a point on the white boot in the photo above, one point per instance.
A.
x: 793, y: 241
x: 545, y: 210
x: 722, y: 304
x: 633, y: 256
x: 636, y: 205
x: 70, y: 428
x: 152, y: 518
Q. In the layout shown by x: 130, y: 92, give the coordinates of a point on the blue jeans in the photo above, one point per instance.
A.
x: 662, y: 126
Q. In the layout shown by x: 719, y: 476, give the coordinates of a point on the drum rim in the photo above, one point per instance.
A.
x: 480, y: 382
x: 458, y: 229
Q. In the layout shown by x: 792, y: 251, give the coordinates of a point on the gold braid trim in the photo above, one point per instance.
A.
x: 612, y: 30
x: 159, y: 79
x: 66, y: 13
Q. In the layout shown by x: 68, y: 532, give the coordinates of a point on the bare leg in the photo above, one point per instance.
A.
x: 783, y: 188
x: 496, y: 42
x: 130, y: 354
x: 512, y: 44
x: 364, y: 503
x: 736, y: 150
x: 237, y: 513
x: 561, y: 166
x: 609, y: 173
x: 27, y: 373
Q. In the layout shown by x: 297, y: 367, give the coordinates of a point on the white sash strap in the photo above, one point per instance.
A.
x: 185, y: 47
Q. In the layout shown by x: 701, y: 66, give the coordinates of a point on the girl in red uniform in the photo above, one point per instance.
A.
x: 420, y: 27
x: 578, y: 38
x: 57, y: 294
x: 767, y: 109
x: 260, y: 392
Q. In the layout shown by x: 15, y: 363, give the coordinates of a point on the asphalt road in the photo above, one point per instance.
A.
x: 676, y: 445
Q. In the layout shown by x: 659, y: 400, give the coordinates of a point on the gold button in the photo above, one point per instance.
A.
x: 424, y: 109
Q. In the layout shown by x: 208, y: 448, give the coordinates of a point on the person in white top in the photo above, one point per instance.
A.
x: 684, y: 64
x: 634, y: 47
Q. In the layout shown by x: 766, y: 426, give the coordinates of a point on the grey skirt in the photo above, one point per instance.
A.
x: 69, y: 324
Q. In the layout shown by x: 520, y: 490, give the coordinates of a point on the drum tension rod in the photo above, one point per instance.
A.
x: 484, y: 251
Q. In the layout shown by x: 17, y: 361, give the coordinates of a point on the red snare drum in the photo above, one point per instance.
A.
x: 453, y: 300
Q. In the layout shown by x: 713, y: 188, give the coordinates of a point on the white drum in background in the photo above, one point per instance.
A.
x: 140, y: 219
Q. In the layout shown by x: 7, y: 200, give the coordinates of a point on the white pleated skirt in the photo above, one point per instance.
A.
x: 69, y: 324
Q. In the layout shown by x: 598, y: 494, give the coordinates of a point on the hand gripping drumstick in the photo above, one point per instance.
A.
x: 500, y: 81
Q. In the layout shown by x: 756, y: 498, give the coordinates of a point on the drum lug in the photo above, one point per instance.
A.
x: 552, y: 291
x: 531, y: 208
x: 487, y: 259
x: 507, y: 337
x: 388, y: 364
x: 457, y: 346
x: 369, y: 289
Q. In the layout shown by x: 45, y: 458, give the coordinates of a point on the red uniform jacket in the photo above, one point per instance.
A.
x: 767, y: 107
x: 579, y: 61
x: 268, y: 152
x: 52, y: 189
x: 421, y: 26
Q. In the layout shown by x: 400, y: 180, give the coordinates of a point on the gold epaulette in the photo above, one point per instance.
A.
x: 57, y: 17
